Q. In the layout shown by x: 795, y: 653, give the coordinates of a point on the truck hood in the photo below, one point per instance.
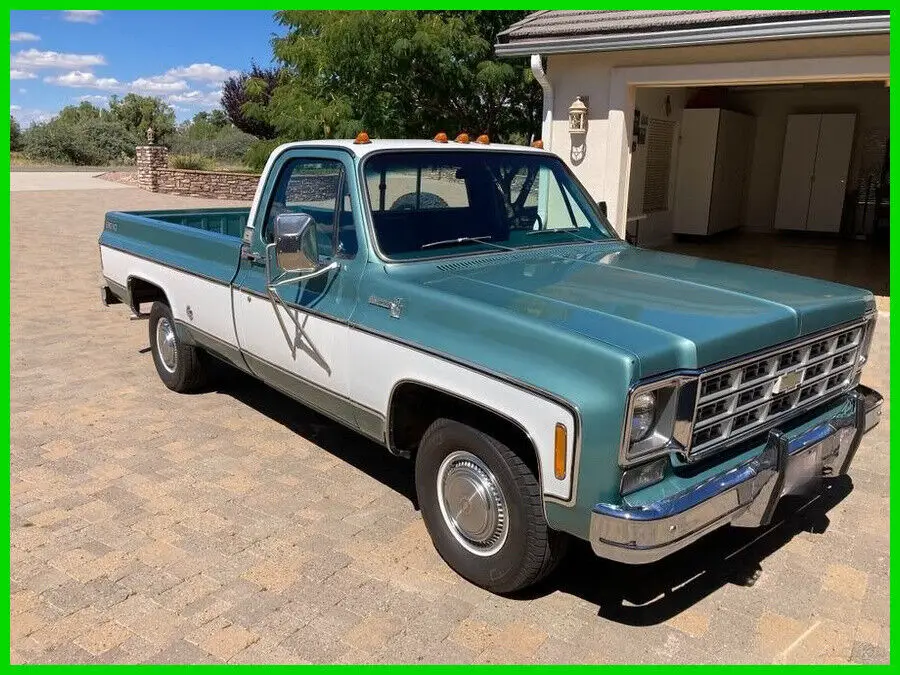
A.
x: 669, y: 311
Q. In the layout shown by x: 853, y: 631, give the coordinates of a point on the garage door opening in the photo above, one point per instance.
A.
x: 792, y: 177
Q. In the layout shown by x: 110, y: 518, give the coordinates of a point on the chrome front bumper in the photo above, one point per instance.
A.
x: 745, y: 495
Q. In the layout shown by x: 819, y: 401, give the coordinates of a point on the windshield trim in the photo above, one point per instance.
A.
x: 613, y: 236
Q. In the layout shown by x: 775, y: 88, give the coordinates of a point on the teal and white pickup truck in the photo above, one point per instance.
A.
x: 468, y: 306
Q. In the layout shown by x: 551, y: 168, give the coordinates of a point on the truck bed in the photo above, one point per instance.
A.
x: 229, y: 221
x: 201, y: 242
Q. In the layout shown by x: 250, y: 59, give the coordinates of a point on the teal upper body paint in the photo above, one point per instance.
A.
x: 579, y: 322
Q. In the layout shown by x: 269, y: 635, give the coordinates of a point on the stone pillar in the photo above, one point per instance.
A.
x: 150, y: 159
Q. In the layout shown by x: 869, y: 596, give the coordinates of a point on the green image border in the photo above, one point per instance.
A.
x: 484, y: 4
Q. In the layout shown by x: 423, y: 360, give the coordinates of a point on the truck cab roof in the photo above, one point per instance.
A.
x: 362, y: 149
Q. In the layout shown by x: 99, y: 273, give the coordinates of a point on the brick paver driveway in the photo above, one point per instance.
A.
x: 236, y: 525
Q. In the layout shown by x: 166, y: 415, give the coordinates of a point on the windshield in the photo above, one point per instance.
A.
x: 430, y: 204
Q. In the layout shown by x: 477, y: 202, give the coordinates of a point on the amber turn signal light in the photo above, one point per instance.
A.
x: 560, y: 450
x: 361, y: 138
x: 483, y: 139
x: 462, y: 138
x: 440, y: 138
x: 538, y: 144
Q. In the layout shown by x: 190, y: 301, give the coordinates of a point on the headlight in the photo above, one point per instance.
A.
x: 643, y: 412
x: 659, y: 419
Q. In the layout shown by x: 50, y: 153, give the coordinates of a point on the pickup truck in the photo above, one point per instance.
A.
x: 467, y: 305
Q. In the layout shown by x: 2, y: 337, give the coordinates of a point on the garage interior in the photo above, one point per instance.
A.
x: 792, y: 177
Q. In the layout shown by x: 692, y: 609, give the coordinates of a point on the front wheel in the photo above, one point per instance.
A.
x: 482, y: 507
x: 180, y: 366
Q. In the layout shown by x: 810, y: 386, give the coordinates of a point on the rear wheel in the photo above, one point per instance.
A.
x: 482, y: 506
x: 181, y: 367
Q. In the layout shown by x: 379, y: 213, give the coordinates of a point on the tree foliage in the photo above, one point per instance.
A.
x: 82, y: 134
x: 15, y: 134
x: 252, y: 89
x: 210, y: 135
x: 397, y: 74
x: 137, y: 113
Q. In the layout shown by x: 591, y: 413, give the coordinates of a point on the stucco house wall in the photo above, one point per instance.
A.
x: 609, y: 82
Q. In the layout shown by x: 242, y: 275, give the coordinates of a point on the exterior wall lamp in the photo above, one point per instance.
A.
x: 578, y: 117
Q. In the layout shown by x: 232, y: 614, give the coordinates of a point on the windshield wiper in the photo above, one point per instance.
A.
x: 566, y: 231
x: 466, y: 240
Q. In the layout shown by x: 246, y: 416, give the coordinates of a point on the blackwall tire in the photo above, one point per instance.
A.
x: 483, y: 509
x: 181, y: 367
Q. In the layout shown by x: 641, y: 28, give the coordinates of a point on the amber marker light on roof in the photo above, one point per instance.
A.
x: 462, y: 138
x: 538, y: 144
x: 483, y: 139
x: 440, y: 138
x: 362, y: 137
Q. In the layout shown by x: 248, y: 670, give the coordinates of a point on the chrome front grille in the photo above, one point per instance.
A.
x: 738, y: 398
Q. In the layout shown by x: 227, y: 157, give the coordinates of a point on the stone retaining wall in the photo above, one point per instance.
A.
x: 155, y: 175
x: 210, y: 184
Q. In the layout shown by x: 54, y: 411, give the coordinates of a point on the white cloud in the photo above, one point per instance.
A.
x: 22, y: 36
x: 30, y: 59
x: 206, y: 72
x: 82, y: 15
x: 196, y: 98
x: 27, y: 116
x: 20, y: 74
x: 158, y: 84
x: 84, y: 80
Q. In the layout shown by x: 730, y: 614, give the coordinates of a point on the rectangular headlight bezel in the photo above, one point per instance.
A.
x: 866, y: 341
x: 676, y: 397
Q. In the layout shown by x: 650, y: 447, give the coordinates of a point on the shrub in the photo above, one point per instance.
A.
x: 192, y: 162
x: 88, y: 141
x: 15, y: 135
x: 258, y: 154
x: 225, y: 144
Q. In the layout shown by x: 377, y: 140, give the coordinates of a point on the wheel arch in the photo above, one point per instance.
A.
x: 404, y: 427
x: 142, y: 290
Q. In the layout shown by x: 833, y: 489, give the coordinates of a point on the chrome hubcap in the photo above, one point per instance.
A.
x: 472, y: 503
x: 165, y: 344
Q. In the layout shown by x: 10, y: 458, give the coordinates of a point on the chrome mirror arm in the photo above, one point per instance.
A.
x: 303, y: 277
x: 276, y: 300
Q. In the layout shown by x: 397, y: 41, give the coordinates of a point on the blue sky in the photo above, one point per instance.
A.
x: 58, y: 58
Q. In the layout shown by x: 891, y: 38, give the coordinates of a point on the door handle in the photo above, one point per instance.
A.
x: 252, y: 258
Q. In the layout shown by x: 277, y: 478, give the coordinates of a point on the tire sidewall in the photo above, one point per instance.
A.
x: 499, y: 571
x: 172, y: 380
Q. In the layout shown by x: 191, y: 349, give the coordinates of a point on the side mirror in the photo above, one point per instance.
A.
x: 602, y: 207
x: 296, y: 247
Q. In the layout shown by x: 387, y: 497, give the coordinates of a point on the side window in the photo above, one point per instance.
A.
x: 318, y: 188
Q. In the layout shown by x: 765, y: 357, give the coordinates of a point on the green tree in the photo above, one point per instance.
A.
x: 212, y: 119
x: 210, y: 135
x: 255, y: 88
x: 15, y: 134
x: 136, y: 113
x: 82, y: 134
x: 395, y: 74
x: 75, y: 114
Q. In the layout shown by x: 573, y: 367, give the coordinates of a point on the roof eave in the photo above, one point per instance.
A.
x: 780, y: 30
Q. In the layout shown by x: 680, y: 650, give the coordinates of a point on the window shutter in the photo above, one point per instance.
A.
x: 660, y: 136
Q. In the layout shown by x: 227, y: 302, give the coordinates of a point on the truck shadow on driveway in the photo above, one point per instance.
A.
x: 635, y: 595
x: 345, y: 444
x: 644, y: 595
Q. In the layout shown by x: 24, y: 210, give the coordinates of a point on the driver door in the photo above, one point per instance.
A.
x: 300, y: 346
